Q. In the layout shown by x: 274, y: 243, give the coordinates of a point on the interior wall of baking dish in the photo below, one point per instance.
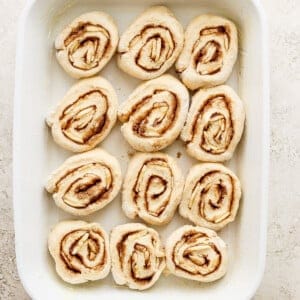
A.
x: 41, y: 83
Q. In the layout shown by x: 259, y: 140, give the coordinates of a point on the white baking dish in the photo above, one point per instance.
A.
x: 40, y: 83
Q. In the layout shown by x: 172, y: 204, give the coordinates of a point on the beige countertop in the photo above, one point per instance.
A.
x: 281, y: 279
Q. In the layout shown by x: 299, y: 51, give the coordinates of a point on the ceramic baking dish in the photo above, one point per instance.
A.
x: 40, y: 83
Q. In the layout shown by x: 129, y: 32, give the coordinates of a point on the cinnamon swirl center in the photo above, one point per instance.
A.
x: 214, y: 196
x: 209, y: 50
x: 85, y: 118
x: 86, y: 185
x: 153, y: 47
x: 214, y: 123
x: 153, y: 187
x: 154, y: 115
x: 195, y: 254
x: 87, y: 44
x: 83, y: 249
x: 138, y: 256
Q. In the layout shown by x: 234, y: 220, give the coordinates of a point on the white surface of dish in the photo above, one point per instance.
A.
x: 41, y: 83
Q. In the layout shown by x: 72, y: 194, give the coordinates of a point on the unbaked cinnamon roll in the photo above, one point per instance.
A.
x: 196, y: 253
x: 211, y: 196
x: 209, y: 52
x: 80, y: 251
x: 154, y: 113
x: 87, y: 44
x: 214, y: 125
x: 152, y: 188
x: 85, y: 182
x: 151, y: 44
x: 85, y: 116
x: 138, y: 257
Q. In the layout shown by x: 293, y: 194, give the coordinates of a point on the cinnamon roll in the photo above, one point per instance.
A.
x: 87, y: 44
x: 85, y: 182
x: 151, y: 44
x: 85, y: 116
x: 80, y: 251
x: 152, y: 188
x: 196, y: 253
x: 211, y: 196
x: 138, y: 257
x: 154, y: 113
x: 209, y: 52
x: 214, y: 125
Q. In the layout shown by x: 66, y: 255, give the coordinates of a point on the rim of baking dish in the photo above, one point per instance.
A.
x: 265, y: 144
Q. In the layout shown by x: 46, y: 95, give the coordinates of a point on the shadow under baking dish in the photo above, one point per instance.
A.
x: 40, y: 83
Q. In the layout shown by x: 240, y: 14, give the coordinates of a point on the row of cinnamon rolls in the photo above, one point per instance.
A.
x: 153, y: 188
x: 134, y: 252
x: 204, y: 54
x: 153, y: 116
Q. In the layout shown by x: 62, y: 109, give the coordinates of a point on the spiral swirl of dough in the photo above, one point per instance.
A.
x: 152, y: 188
x: 80, y: 251
x: 87, y: 44
x: 85, y: 182
x: 209, y: 53
x: 151, y: 44
x: 138, y: 257
x: 214, y: 125
x: 154, y: 113
x: 211, y: 196
x: 196, y: 253
x: 85, y: 116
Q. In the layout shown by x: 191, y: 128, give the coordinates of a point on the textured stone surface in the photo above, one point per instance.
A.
x: 281, y: 280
